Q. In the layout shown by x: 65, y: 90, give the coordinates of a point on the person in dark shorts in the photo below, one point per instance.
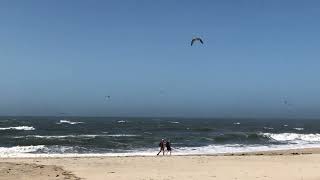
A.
x: 168, y: 146
x: 161, y: 145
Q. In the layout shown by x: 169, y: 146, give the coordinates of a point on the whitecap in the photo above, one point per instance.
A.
x: 122, y: 135
x: 77, y: 136
x: 19, y: 128
x: 60, y: 136
x: 121, y: 121
x: 236, y: 123
x: 298, y: 129
x: 174, y: 122
x: 294, y: 137
x: 69, y: 122
x: 268, y: 128
x: 18, y: 151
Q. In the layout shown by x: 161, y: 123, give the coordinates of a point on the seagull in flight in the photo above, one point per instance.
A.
x: 196, y: 39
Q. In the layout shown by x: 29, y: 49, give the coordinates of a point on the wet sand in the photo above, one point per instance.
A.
x: 281, y: 165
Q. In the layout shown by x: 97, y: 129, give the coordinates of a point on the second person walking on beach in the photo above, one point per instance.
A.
x: 168, y: 146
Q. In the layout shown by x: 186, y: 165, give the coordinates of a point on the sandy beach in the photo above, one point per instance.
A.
x: 279, y: 165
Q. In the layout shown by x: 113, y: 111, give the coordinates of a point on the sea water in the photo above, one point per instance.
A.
x: 124, y: 136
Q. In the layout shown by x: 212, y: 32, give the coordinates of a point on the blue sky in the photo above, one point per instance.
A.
x: 66, y: 56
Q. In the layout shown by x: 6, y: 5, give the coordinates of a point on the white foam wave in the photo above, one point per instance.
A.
x: 65, y: 136
x: 236, y: 123
x: 293, y: 141
x: 299, y: 129
x: 268, y: 128
x: 68, y: 122
x: 121, y: 121
x: 19, y: 151
x: 122, y: 135
x: 174, y: 122
x: 31, y: 151
x: 77, y: 136
x: 62, y: 136
x: 238, y: 148
x: 294, y: 137
x: 19, y: 128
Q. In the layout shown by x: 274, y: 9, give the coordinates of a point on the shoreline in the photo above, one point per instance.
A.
x: 283, y: 164
x: 297, y: 151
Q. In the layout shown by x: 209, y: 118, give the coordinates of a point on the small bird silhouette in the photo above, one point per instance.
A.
x: 196, y: 39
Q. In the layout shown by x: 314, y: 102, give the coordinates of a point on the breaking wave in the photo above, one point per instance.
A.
x: 174, y: 122
x: 67, y: 151
x: 299, y: 129
x: 76, y: 136
x: 122, y: 135
x: 19, y: 128
x: 19, y: 151
x: 68, y: 122
x: 121, y: 121
x: 294, y: 137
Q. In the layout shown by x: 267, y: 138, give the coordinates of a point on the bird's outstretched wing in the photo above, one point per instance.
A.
x: 192, y: 41
x: 201, y: 41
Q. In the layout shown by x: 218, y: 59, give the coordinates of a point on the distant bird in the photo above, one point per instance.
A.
x: 162, y: 92
x: 196, y: 39
x: 286, y: 102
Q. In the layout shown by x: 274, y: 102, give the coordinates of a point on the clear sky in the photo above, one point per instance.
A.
x: 66, y: 56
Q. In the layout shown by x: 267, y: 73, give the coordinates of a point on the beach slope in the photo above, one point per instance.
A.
x: 240, y: 167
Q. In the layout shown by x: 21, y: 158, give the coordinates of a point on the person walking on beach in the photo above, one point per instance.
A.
x: 161, y: 145
x: 168, y: 146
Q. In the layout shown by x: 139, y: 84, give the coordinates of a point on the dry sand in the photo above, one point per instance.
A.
x: 280, y: 165
x: 21, y: 171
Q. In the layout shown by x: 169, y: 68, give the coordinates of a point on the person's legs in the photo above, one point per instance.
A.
x: 161, y: 149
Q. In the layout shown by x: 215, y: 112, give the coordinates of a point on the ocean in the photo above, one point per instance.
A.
x: 111, y: 136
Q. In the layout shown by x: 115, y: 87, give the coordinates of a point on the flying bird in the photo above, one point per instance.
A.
x: 286, y: 102
x: 196, y: 39
x: 162, y: 91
